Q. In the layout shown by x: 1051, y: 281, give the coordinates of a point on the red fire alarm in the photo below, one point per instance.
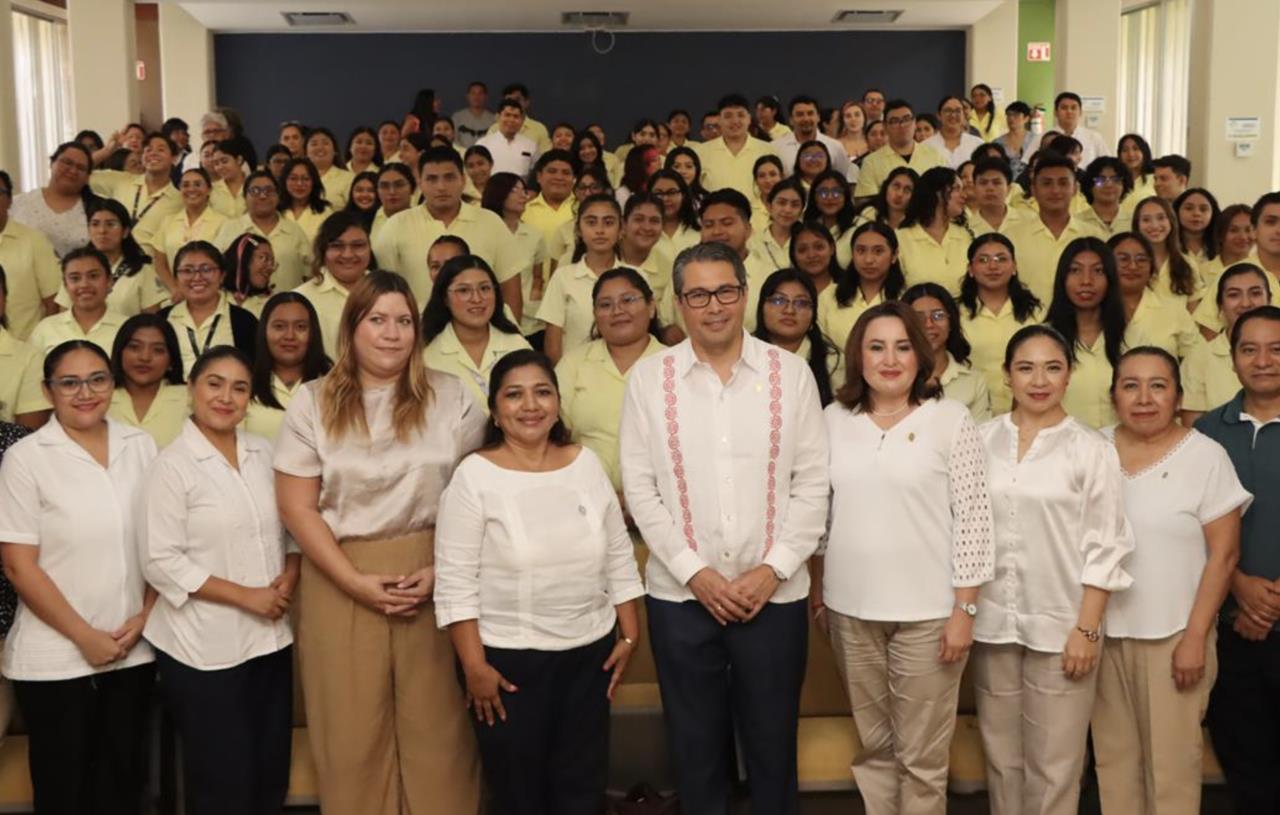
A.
x: 141, y: 70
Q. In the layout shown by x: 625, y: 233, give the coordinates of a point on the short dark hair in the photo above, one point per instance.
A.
x: 993, y: 165
x: 516, y: 87
x: 1019, y: 107
x: 510, y: 102
x: 1094, y: 171
x: 896, y: 104
x: 173, y: 124
x: 1065, y: 96
x: 733, y: 100
x: 441, y: 155
x: 1271, y: 313
x: 1030, y: 332
x: 475, y: 83
x: 802, y: 99
x: 1236, y: 270
x: 1148, y: 351
x: 1265, y: 200
x: 730, y: 197
x: 712, y: 252
x: 88, y: 251
x: 1180, y: 165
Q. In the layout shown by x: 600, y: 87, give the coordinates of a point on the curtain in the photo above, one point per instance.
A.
x: 1155, y: 56
x: 42, y: 64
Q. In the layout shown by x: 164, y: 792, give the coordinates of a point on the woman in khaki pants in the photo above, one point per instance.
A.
x: 1184, y: 501
x: 360, y: 464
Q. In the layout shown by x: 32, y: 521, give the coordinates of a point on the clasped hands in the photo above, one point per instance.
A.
x: 734, y: 601
x: 394, y: 595
x: 1259, y: 601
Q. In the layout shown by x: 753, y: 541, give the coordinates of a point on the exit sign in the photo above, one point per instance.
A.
x: 1037, y: 52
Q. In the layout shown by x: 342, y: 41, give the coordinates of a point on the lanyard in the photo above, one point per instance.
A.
x: 137, y: 195
x: 208, y: 339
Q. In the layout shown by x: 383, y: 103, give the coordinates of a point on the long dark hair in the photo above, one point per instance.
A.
x: 847, y: 214
x: 238, y: 260
x: 1182, y: 278
x: 133, y: 258
x: 815, y: 228
x: 695, y: 189
x: 377, y: 146
x: 316, y: 200
x: 688, y: 214
x: 436, y: 315
x: 496, y: 190
x: 894, y: 281
x: 930, y: 192
x: 957, y: 344
x: 1210, y: 237
x: 635, y: 173
x: 493, y: 435
x: 579, y: 245
x: 172, y: 374
x: 881, y: 202
x: 366, y: 216
x: 315, y: 363
x: 1062, y: 312
x: 1024, y: 302
x: 578, y: 139
x: 820, y: 346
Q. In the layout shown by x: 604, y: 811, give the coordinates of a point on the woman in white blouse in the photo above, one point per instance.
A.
x: 360, y: 464
x: 1061, y: 543
x: 1184, y: 503
x: 910, y: 543
x: 213, y: 547
x: 68, y: 502
x: 537, y: 587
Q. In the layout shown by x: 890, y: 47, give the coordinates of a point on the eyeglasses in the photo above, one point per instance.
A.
x: 781, y: 301
x: 345, y: 246
x: 260, y: 192
x: 952, y: 111
x: 73, y: 165
x: 1103, y: 180
x: 900, y: 120
x: 701, y: 298
x: 936, y: 315
x: 625, y: 301
x: 828, y: 194
x: 467, y: 292
x: 1126, y: 259
x: 987, y: 260
x: 198, y: 271
x: 68, y: 386
x: 393, y: 185
x: 591, y: 188
x: 813, y: 156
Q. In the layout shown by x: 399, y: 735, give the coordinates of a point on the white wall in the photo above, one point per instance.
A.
x: 186, y: 67
x: 10, y: 152
x: 103, y: 56
x: 1087, y: 56
x: 993, y: 50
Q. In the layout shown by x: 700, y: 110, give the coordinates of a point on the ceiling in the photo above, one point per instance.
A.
x: 544, y: 15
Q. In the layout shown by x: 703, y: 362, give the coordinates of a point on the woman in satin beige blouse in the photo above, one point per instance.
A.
x: 360, y: 464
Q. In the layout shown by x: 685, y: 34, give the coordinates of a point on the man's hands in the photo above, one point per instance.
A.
x: 736, y: 601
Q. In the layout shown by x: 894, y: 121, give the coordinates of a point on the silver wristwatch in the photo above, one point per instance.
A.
x: 968, y: 608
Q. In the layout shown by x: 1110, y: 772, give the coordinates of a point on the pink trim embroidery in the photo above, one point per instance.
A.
x: 672, y: 416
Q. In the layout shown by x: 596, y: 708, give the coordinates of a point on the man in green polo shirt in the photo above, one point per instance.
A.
x: 1244, y: 720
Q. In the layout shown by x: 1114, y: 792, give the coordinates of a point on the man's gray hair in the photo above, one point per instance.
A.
x: 707, y: 253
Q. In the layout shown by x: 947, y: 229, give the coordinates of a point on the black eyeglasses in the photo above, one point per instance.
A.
x: 725, y: 296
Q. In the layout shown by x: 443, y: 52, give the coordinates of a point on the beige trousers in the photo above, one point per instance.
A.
x: 904, y: 707
x: 1034, y: 723
x: 1146, y: 733
x: 386, y: 717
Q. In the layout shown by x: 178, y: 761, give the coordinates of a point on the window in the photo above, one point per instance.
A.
x: 1155, y: 48
x: 42, y: 64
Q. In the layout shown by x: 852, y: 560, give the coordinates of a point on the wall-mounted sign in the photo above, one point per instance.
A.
x: 1038, y: 52
x: 1094, y: 104
x: 1243, y: 128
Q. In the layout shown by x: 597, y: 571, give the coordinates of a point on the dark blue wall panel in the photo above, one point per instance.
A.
x: 342, y: 80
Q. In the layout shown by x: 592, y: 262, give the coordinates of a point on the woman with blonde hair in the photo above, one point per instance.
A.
x: 361, y: 461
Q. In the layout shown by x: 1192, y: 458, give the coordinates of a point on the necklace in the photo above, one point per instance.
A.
x: 892, y: 412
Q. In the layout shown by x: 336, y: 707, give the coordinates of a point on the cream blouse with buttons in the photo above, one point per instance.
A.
x: 376, y: 486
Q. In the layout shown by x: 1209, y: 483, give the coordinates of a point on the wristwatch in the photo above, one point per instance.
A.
x: 968, y: 608
x: 1091, y: 635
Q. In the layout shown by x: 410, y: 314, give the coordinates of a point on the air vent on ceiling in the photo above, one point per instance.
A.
x: 317, y: 18
x: 595, y: 19
x: 865, y: 16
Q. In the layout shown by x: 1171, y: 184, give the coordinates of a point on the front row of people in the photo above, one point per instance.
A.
x: 448, y: 561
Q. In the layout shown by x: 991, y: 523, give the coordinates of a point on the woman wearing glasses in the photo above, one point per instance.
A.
x: 940, y: 318
x: 786, y: 317
x: 86, y: 276
x: 206, y: 315
x: 249, y: 263
x: 464, y: 326
x: 290, y: 243
x: 68, y: 521
x: 396, y: 185
x: 1107, y: 186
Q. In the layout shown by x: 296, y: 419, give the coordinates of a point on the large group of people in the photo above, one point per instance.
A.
x: 405, y: 415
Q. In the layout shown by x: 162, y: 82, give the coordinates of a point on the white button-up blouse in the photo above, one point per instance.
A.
x: 539, y: 559
x: 1060, y: 526
x: 725, y: 475
x: 910, y: 516
x: 204, y: 519
x: 83, y: 518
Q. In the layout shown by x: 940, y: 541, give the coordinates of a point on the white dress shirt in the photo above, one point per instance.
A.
x: 963, y: 152
x: 1091, y: 140
x: 1060, y: 526
x: 725, y: 475
x: 83, y: 518
x: 515, y: 155
x: 203, y: 519
x: 788, y: 148
x: 1168, y: 505
x: 539, y: 559
x: 910, y: 515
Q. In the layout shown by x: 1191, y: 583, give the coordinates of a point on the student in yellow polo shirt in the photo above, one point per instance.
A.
x: 993, y: 306
x: 900, y: 151
x: 86, y: 273
x: 290, y: 333
x: 931, y: 246
x: 952, y: 369
x: 552, y: 207
x: 1040, y: 240
x: 680, y: 226
x: 593, y: 376
x: 1208, y: 375
x: 403, y: 241
x: 566, y: 303
x: 322, y: 150
x: 464, y: 327
x: 727, y: 161
x: 32, y: 275
x: 290, y: 245
x: 343, y: 258
x: 15, y: 355
x: 196, y: 221
x: 874, y: 276
x: 227, y: 195
x: 1087, y: 309
x: 304, y: 197
x: 134, y: 285
x: 1150, y: 317
x: 147, y: 368
x: 992, y: 213
x: 149, y: 198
